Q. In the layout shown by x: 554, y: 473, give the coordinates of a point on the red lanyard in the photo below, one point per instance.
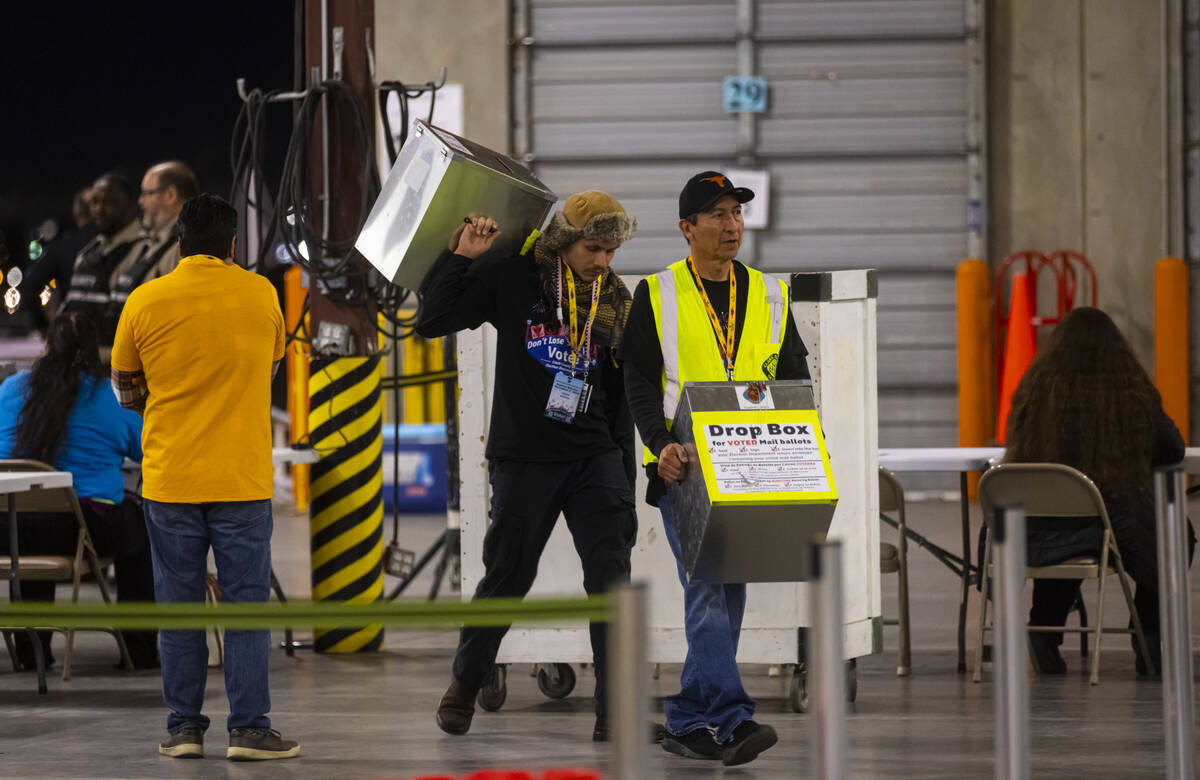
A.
x: 724, y: 340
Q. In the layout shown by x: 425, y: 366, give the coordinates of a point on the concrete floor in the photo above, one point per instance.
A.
x: 371, y: 716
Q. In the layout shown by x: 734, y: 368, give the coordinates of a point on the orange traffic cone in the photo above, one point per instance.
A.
x: 1019, y: 348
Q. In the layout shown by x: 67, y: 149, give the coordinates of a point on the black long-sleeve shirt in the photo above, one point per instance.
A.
x: 641, y: 354
x: 505, y: 291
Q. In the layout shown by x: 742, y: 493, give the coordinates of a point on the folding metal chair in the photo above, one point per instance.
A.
x: 894, y: 558
x: 1052, y: 490
x: 57, y: 568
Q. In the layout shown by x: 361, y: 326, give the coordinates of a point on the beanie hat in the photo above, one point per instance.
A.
x: 588, y: 214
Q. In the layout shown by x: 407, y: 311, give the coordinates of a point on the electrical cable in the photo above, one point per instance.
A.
x: 332, y: 263
x: 404, y: 93
x: 248, y: 163
x: 396, y: 438
x: 295, y: 214
x: 300, y: 326
x: 290, y: 222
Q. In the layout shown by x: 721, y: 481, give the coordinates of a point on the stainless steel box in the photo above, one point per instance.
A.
x: 438, y: 179
x: 762, y: 539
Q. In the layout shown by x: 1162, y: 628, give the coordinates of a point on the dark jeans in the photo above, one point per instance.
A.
x: 118, y: 531
x: 239, y: 533
x: 1133, y: 527
x: 595, y: 496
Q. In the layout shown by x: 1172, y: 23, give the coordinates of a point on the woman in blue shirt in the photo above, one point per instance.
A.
x: 63, y: 412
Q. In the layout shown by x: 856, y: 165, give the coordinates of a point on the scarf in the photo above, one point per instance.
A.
x: 612, y: 310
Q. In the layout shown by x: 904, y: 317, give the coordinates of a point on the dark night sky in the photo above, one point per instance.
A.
x: 87, y: 87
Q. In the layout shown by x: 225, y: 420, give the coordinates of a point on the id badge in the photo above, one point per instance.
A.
x: 566, y: 394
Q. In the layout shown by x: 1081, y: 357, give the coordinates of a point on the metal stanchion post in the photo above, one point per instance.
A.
x: 1178, y: 716
x: 825, y: 660
x: 628, y: 681
x: 1012, y: 684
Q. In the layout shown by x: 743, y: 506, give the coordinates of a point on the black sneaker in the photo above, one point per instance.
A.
x: 187, y: 742
x: 1043, y: 651
x: 1155, y: 646
x: 748, y: 740
x: 698, y: 744
x: 259, y: 745
x: 600, y: 732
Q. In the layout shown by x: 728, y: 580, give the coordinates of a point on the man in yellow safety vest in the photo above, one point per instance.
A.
x: 706, y: 318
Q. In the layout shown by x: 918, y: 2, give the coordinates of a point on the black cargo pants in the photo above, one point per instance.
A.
x: 596, y: 498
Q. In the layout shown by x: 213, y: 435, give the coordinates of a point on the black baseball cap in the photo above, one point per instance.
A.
x: 706, y: 188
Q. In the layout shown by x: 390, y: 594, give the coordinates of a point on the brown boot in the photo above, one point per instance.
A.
x: 456, y: 708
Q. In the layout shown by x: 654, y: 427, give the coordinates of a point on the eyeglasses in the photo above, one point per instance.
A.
x: 152, y: 192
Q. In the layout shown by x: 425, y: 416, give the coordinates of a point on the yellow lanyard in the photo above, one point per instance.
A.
x: 724, y: 340
x: 578, y: 340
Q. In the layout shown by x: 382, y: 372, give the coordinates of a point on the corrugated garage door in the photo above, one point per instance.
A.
x: 865, y: 138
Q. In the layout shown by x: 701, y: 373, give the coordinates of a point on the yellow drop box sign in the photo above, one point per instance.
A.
x: 758, y: 488
x: 768, y: 457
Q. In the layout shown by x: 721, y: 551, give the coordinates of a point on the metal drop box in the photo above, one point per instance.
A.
x: 438, y: 179
x: 758, y: 490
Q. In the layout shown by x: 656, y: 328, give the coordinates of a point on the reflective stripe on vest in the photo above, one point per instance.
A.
x: 83, y: 296
x: 689, y: 346
x: 89, y: 280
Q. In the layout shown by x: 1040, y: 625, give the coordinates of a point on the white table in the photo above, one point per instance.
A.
x: 12, y: 483
x: 288, y: 456
x: 958, y: 459
x: 965, y: 460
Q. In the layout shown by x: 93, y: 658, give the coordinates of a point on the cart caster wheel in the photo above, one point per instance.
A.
x: 798, y: 690
x: 556, y: 680
x: 492, y: 695
x: 852, y: 679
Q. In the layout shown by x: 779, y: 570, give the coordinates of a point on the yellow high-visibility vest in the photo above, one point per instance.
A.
x: 689, y: 345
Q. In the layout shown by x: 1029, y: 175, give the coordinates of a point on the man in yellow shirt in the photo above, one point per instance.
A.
x: 194, y: 353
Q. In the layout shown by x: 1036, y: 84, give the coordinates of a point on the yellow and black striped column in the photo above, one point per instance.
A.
x: 345, y: 416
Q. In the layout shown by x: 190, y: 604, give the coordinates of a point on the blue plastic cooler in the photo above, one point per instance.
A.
x: 421, y: 450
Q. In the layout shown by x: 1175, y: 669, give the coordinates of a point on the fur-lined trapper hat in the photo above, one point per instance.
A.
x: 588, y: 214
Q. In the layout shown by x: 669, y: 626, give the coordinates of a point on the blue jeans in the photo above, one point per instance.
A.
x: 240, y: 535
x: 711, y: 692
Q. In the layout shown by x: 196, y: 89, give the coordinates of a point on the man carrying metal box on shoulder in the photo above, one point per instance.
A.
x: 706, y: 318
x: 561, y: 436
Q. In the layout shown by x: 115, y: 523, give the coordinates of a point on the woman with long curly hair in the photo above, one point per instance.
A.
x: 63, y: 412
x: 1087, y: 402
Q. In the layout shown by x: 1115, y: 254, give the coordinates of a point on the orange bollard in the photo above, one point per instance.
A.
x: 1019, y: 349
x: 1171, y: 339
x: 972, y: 282
x: 297, y: 378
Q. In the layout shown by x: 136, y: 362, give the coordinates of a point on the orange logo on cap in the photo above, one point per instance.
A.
x: 720, y: 180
